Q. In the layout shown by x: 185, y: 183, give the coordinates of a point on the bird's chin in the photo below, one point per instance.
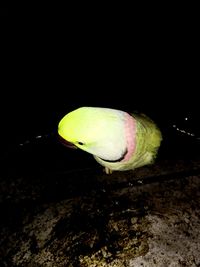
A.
x: 65, y: 142
x: 116, y: 160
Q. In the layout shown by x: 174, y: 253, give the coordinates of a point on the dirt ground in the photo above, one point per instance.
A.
x: 82, y: 217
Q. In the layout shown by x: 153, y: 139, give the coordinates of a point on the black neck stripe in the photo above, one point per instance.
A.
x: 117, y: 160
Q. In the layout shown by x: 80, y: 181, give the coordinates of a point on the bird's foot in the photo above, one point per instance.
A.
x: 107, y: 170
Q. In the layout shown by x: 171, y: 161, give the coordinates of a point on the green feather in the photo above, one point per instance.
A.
x: 100, y: 131
x: 148, y: 140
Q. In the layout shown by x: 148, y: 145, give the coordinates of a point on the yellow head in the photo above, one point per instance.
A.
x: 99, y: 131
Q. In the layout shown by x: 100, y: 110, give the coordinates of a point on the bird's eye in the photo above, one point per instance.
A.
x: 81, y: 143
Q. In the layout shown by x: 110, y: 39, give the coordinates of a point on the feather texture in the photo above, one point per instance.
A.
x: 117, y: 140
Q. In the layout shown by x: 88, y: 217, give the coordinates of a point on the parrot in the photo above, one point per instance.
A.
x: 117, y: 139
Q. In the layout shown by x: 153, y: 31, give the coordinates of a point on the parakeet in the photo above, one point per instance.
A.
x: 118, y: 140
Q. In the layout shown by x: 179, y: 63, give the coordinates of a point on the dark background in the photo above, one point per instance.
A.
x: 55, y: 60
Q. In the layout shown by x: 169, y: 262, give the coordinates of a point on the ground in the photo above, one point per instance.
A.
x: 84, y: 217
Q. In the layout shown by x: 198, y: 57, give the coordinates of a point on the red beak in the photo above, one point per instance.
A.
x: 66, y: 143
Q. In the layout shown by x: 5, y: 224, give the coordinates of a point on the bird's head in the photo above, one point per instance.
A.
x: 99, y: 131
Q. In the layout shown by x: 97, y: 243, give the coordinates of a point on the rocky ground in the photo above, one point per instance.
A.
x: 81, y: 217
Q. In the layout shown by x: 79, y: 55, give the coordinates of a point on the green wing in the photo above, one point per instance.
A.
x: 148, y: 138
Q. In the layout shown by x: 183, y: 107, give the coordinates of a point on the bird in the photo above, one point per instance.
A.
x: 117, y: 139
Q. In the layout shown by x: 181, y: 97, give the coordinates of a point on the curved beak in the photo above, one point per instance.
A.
x: 65, y: 142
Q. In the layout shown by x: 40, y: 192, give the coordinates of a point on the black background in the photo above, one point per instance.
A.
x: 55, y: 60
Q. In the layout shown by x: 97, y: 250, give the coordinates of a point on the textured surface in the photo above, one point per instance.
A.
x: 149, y: 217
